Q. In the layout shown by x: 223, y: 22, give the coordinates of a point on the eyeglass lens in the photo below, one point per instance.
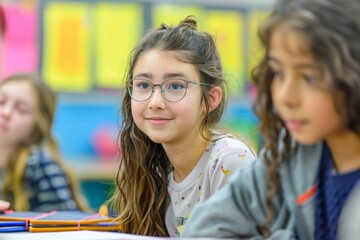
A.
x: 172, y: 90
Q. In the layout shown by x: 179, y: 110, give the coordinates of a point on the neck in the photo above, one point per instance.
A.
x: 345, y: 150
x: 185, y: 156
x: 6, y: 151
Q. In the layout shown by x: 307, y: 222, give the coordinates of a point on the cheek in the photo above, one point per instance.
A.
x: 24, y: 127
x: 136, y: 112
x: 326, y: 114
x: 331, y: 117
x: 191, y: 114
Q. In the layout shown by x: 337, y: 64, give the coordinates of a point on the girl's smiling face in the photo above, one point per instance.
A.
x: 163, y: 121
x: 18, y: 105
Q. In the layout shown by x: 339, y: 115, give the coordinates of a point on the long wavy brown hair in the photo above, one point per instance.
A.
x: 141, y: 194
x: 332, y: 31
x: 14, y: 187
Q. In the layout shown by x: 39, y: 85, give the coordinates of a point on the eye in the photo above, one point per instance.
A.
x: 310, y: 79
x: 175, y: 85
x: 142, y: 84
x: 276, y: 70
x: 278, y: 74
x: 22, y: 108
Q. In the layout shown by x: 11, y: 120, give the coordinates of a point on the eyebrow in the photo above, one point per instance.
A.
x: 298, y: 65
x: 166, y: 75
x: 144, y: 75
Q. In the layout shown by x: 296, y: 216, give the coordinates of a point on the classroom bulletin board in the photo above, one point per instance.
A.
x: 85, y: 44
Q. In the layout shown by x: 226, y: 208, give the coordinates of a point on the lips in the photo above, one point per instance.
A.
x: 294, y: 125
x: 158, y: 120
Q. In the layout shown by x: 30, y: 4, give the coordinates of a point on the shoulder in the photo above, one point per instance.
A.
x: 227, y: 155
x: 40, y: 163
x: 229, y: 145
x: 39, y: 155
x: 229, y: 152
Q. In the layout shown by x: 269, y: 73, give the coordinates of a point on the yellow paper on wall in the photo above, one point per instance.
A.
x: 118, y: 28
x: 172, y: 14
x: 227, y: 28
x: 66, y: 46
x: 255, y: 50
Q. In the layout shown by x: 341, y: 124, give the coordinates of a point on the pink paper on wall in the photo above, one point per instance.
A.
x: 20, y: 49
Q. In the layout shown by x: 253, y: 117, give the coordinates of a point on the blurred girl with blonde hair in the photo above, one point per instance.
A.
x: 33, y: 177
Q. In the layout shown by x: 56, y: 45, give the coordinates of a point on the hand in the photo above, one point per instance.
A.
x: 4, y: 205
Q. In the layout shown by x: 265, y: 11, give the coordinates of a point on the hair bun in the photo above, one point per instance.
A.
x: 189, y: 21
x: 163, y: 26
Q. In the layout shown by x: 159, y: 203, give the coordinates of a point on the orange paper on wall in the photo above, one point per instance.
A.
x: 66, y: 57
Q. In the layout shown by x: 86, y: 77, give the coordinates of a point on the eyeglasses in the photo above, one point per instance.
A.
x: 173, y: 90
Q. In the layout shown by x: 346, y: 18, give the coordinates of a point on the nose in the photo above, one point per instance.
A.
x: 5, y: 110
x: 157, y: 100
x: 288, y: 91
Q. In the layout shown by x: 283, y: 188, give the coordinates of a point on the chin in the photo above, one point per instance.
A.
x: 158, y: 140
x: 306, y: 141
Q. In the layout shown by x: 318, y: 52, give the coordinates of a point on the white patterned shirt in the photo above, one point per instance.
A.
x: 221, y: 158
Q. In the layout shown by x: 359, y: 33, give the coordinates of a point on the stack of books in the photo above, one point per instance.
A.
x: 55, y: 221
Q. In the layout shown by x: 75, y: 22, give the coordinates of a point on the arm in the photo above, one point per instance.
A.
x: 237, y: 209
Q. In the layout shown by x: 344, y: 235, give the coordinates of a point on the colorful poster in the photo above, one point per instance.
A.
x: 66, y: 64
x: 172, y: 14
x: 20, y: 49
x: 255, y: 51
x: 118, y: 27
x: 227, y: 28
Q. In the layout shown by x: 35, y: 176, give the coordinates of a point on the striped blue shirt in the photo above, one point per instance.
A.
x: 46, y: 183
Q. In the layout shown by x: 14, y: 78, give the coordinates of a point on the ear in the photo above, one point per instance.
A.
x: 215, y: 97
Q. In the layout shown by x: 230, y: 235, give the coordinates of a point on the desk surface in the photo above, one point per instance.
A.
x: 72, y: 235
x: 86, y: 235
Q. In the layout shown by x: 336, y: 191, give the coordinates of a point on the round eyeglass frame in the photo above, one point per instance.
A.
x: 187, y: 82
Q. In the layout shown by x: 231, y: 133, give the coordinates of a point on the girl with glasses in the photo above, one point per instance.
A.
x: 172, y: 156
x: 308, y: 103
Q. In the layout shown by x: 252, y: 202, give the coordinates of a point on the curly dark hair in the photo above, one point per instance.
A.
x: 332, y: 31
